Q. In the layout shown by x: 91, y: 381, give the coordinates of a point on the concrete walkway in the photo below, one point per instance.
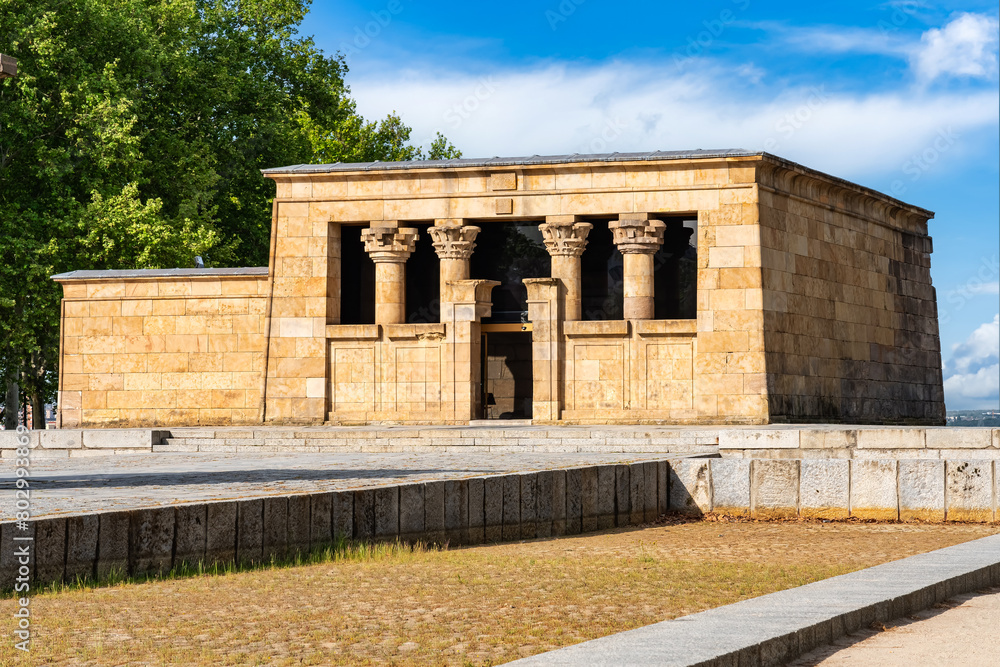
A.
x: 961, y: 631
x: 61, y: 487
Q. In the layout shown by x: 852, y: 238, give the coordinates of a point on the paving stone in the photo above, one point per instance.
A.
x: 250, y: 530
x: 221, y: 532
x: 298, y: 524
x: 605, y: 497
x: 969, y: 491
x: 434, y: 512
x: 921, y: 490
x: 477, y: 519
x: 529, y: 505
x: 574, y: 501
x: 636, y: 494
x: 511, y: 508
x: 387, y: 512
x: 543, y: 510
x: 774, y: 488
x: 320, y: 520
x: 731, y: 486
x: 873, y: 490
x: 493, y: 508
x: 456, y: 510
x: 192, y: 525
x: 650, y: 513
x: 622, y: 494
x: 81, y: 546
x: 151, y: 540
x: 558, y: 503
x: 824, y: 488
x: 364, y: 514
x: 589, y: 498
x: 50, y: 550
x: 689, y: 486
x: 342, y: 507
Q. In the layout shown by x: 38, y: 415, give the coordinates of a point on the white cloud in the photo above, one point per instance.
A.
x: 626, y: 106
x: 965, y: 47
x: 974, y: 369
x: 985, y: 288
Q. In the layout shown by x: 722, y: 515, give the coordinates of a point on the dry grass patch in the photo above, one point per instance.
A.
x: 475, y: 606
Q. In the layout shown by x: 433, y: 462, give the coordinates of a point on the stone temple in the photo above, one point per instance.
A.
x: 701, y: 287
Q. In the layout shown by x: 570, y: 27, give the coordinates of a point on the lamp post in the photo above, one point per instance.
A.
x: 8, y: 67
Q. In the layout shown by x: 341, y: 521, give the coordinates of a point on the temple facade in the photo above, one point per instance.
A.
x: 707, y: 287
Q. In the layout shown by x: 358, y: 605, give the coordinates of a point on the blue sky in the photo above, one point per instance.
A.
x: 898, y: 96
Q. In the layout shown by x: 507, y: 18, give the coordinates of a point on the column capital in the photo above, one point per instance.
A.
x: 453, y: 240
x: 564, y: 236
x: 389, y: 244
x: 636, y: 233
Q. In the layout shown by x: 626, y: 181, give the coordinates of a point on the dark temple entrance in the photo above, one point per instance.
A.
x: 506, y: 371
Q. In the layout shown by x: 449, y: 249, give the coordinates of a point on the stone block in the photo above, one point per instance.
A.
x: 493, y: 488
x: 138, y: 438
x: 151, y: 543
x: 690, y: 486
x: 275, y: 540
x: 959, y: 438
x: 250, y: 531
x: 921, y: 490
x: 969, y: 491
x: 730, y: 486
x: 12, y: 439
x: 891, y: 438
x: 60, y: 439
x: 543, y: 507
x: 364, y: 514
x: 221, y: 531
x: 298, y: 524
x: 511, y: 508
x: 81, y: 546
x: 574, y: 501
x: 558, y: 503
x: 739, y: 438
x: 650, y: 514
x: 456, y: 510
x: 822, y: 438
x: 825, y: 488
x: 11, y: 567
x: 192, y: 523
x: 774, y: 489
x: 411, y: 512
x: 623, y: 506
x: 320, y: 520
x: 476, y: 533
x: 387, y: 513
x: 663, y: 487
x: 589, y: 487
x: 342, y: 515
x: 873, y: 489
x: 637, y: 494
x: 529, y: 505
x: 50, y: 550
x: 605, y: 497
x: 434, y: 512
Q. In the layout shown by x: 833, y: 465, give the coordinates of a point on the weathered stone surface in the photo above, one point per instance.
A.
x: 731, y: 486
x: 81, y: 546
x: 774, y: 489
x: 298, y: 524
x: 740, y: 438
x: 411, y: 512
x: 250, y: 530
x: 60, y: 439
x: 921, y: 490
x: 113, y: 544
x: 275, y: 540
x: 834, y: 438
x: 11, y: 567
x: 477, y: 518
x: 589, y: 498
x: 343, y: 515
x: 662, y: 487
x: 969, y: 491
x: 493, y: 508
x: 511, y: 507
x: 623, y: 506
x: 221, y: 533
x: 50, y: 550
x: 364, y: 514
x: 434, y: 512
x: 320, y: 519
x: 891, y: 438
x: 650, y: 513
x: 456, y: 510
x: 558, y: 503
x: 605, y: 497
x: 151, y: 540
x: 139, y: 438
x: 873, y: 490
x: 529, y: 505
x: 543, y: 509
x: 690, y: 486
x: 959, y: 438
x: 824, y: 488
x: 192, y: 527
x: 636, y: 494
x: 387, y: 512
x: 574, y: 501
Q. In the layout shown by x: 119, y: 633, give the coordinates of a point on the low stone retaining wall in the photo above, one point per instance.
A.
x: 860, y: 442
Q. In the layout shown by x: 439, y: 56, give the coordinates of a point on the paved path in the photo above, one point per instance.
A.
x: 105, y: 483
x: 962, y: 631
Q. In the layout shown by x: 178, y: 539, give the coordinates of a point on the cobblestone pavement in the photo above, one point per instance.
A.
x: 105, y: 483
x: 960, y: 632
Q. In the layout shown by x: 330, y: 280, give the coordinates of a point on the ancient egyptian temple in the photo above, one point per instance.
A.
x: 703, y: 287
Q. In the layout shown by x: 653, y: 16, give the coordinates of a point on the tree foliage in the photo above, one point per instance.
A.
x: 133, y: 137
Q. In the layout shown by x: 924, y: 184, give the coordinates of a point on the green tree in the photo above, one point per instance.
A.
x: 134, y: 135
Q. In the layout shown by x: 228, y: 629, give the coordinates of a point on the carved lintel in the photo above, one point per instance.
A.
x: 565, y: 238
x: 454, y: 241
x: 634, y: 234
x: 389, y: 244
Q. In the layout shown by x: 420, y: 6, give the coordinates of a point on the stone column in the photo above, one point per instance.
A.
x: 454, y: 243
x: 389, y: 247
x: 638, y: 237
x: 546, y: 348
x: 566, y: 239
x: 467, y: 302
